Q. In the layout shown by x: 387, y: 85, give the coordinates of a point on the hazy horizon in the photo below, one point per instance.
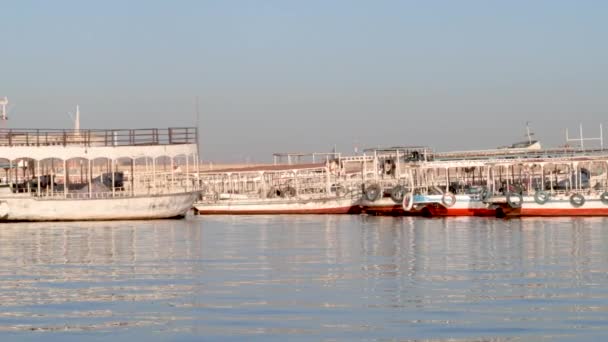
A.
x: 278, y: 76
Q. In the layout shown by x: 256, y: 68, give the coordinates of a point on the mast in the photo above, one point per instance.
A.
x: 77, y: 119
x: 3, y: 117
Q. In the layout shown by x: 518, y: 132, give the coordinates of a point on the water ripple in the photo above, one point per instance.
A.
x: 306, y: 278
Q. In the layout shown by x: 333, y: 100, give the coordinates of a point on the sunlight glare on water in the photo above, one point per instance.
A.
x: 305, y: 278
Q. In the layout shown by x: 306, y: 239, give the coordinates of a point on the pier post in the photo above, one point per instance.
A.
x: 327, y: 180
x: 132, y: 177
x: 551, y: 181
x: 52, y: 177
x: 65, y: 178
x: 263, y: 184
x: 10, y: 171
x: 542, y: 177
x: 397, y: 167
x: 507, y: 177
x: 112, y: 170
x: 295, y: 181
x: 38, y: 177
x: 90, y: 177
x: 375, y: 165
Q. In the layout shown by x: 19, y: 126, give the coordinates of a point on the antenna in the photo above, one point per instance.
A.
x: 528, y: 133
x: 3, y: 117
x: 198, y: 149
x: 581, y: 139
x: 77, y: 119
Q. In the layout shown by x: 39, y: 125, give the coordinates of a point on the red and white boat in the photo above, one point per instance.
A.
x: 585, y: 203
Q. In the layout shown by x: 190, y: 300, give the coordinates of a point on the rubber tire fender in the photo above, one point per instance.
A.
x: 373, y: 192
x: 398, y: 193
x: 604, y: 197
x: 577, y: 200
x: 541, y: 197
x: 513, y: 204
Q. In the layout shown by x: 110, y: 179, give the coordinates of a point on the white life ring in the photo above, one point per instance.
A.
x: 408, y: 201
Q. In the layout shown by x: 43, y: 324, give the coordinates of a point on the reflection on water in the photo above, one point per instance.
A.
x: 306, y: 278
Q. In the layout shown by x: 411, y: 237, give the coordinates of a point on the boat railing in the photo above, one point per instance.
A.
x: 98, y: 137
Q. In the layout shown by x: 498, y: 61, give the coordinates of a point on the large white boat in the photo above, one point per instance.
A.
x: 60, y: 175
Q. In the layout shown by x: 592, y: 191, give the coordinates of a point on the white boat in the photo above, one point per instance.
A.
x: 311, y: 205
x: 63, y: 175
x: 574, y: 203
x: 277, y: 189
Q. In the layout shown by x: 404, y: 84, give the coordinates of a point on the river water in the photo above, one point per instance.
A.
x: 302, y: 278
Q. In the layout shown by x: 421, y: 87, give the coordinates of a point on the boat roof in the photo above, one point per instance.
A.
x: 278, y: 167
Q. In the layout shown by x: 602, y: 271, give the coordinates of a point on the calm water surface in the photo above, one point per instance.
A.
x: 305, y: 278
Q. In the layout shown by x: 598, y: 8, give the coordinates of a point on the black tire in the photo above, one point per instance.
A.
x: 397, y: 194
x: 604, y: 197
x: 541, y: 197
x: 373, y: 192
x: 288, y: 192
x: 274, y: 193
x: 577, y: 200
x: 514, y: 204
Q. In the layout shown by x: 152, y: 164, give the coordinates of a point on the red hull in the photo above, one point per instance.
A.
x: 443, y: 211
x: 391, y: 210
x: 556, y: 212
x: 322, y: 211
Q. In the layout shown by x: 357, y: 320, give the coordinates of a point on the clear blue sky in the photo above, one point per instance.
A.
x: 305, y: 75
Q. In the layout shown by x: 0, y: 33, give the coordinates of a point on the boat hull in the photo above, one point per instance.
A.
x: 383, y: 207
x: 29, y: 208
x: 557, y: 206
x: 279, y: 207
x: 464, y: 205
x: 470, y: 209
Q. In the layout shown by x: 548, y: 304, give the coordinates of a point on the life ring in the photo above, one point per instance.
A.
x: 604, y: 197
x: 517, y: 203
x: 408, y: 201
x: 398, y: 193
x: 373, y: 192
x: 577, y: 200
x: 448, y: 199
x: 541, y: 197
x: 485, y: 194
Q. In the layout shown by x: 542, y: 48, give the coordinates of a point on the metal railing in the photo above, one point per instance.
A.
x: 98, y: 137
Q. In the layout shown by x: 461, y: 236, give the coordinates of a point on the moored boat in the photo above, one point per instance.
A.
x: 279, y: 189
x: 66, y: 175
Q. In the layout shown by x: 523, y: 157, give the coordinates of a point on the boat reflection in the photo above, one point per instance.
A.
x: 299, y: 275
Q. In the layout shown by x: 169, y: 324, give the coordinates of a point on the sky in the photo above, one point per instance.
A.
x: 303, y: 76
